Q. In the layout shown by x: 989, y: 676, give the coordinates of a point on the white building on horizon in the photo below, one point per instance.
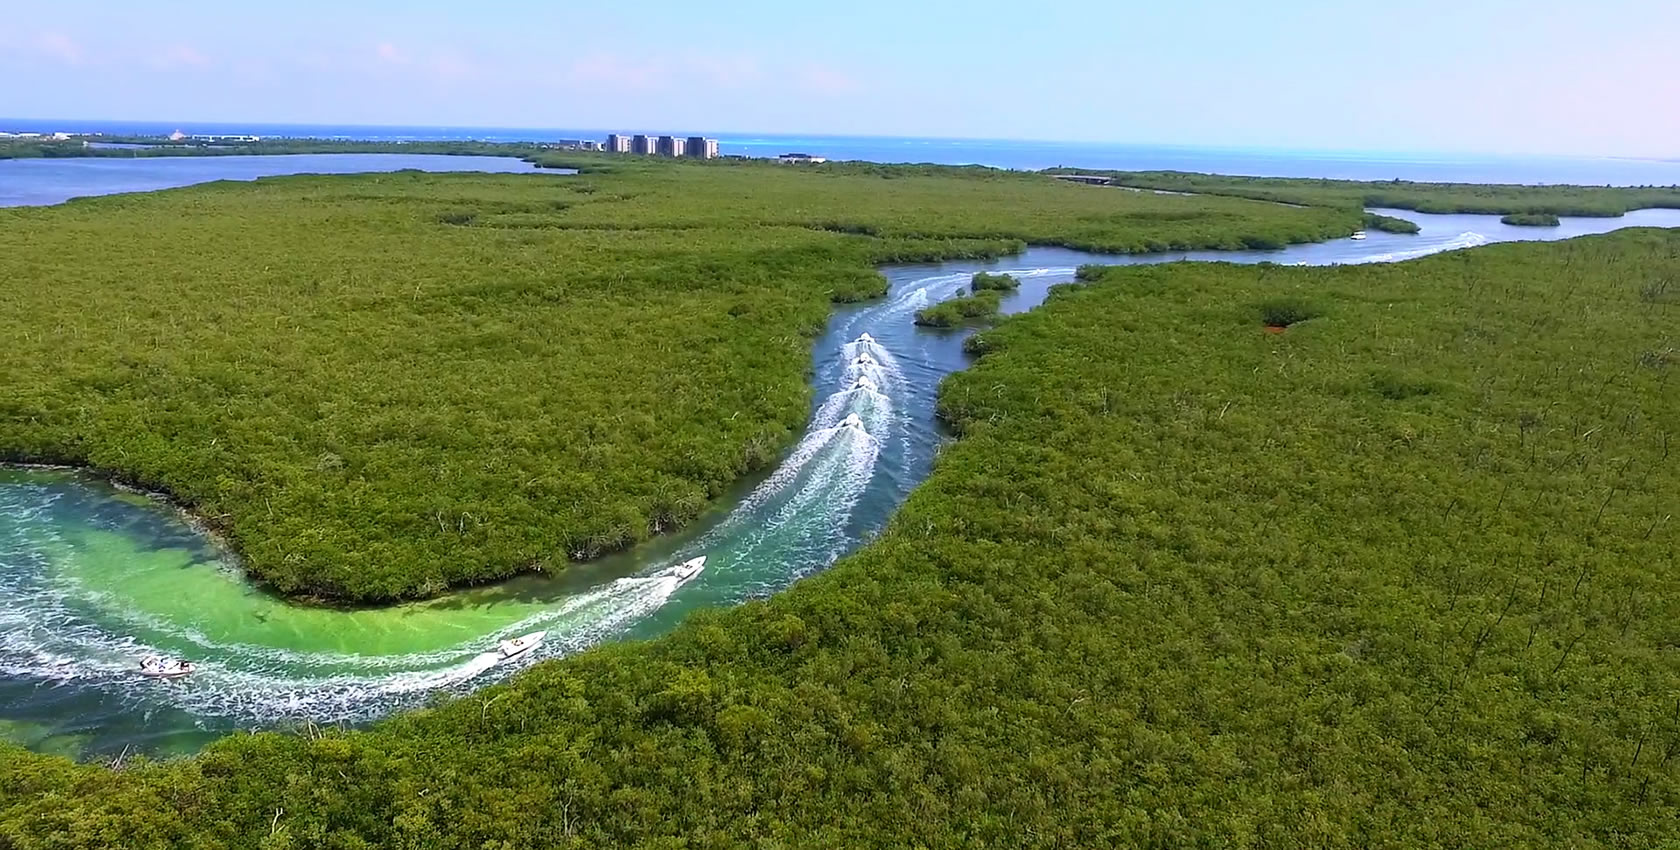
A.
x: 700, y: 147
x: 691, y: 147
x: 672, y: 145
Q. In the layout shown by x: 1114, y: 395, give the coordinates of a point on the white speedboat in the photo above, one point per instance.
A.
x: 864, y: 383
x: 852, y: 421
x: 688, y: 569
x: 865, y: 338
x: 518, y: 646
x: 864, y: 359
x: 158, y: 667
x: 1358, y: 234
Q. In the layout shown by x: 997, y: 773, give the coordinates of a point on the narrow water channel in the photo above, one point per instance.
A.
x: 93, y: 578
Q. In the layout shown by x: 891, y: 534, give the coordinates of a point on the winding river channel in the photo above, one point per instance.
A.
x: 92, y: 577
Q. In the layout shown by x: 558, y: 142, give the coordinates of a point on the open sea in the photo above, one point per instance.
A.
x: 999, y: 153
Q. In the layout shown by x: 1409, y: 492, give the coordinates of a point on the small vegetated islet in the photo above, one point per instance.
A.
x: 1389, y: 223
x: 987, y: 281
x: 1531, y: 219
x: 978, y: 308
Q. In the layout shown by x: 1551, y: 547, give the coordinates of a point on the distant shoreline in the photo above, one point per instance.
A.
x: 1021, y: 155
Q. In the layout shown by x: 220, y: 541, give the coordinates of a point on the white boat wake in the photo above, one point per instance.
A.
x: 56, y: 631
x: 1468, y: 239
x: 58, y: 634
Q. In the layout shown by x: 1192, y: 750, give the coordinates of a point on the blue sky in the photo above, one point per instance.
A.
x: 1471, y: 75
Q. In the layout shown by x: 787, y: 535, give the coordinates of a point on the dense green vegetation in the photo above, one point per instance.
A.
x: 1089, y: 272
x: 1389, y: 224
x: 38, y: 148
x: 983, y: 281
x: 1531, y: 219
x: 978, y: 308
x: 73, y: 148
x: 379, y: 386
x: 1477, y: 198
x: 1403, y: 576
x: 1281, y: 312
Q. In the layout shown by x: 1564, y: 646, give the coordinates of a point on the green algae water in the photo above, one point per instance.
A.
x: 93, y: 578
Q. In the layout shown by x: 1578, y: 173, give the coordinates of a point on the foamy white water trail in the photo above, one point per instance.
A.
x: 56, y: 630
x: 251, y: 683
x: 90, y: 581
x: 1469, y: 239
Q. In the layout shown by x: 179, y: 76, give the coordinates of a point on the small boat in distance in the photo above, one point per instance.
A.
x: 1358, y: 234
x: 520, y: 645
x: 159, y: 667
x: 687, y: 570
x: 852, y: 421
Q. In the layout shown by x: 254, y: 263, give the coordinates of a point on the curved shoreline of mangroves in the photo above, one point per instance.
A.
x: 1454, y: 573
x: 373, y: 477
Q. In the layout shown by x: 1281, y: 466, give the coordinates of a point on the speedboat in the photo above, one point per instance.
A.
x: 865, y: 338
x: 159, y: 667
x: 852, y: 421
x: 520, y: 645
x: 864, y: 383
x: 688, y: 569
x: 864, y: 360
x: 1358, y: 234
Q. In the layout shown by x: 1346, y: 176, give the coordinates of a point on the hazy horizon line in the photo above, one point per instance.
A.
x: 741, y: 135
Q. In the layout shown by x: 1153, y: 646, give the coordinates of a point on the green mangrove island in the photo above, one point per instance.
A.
x: 984, y: 281
x: 1401, y: 576
x: 1531, y: 219
x: 1389, y: 224
x: 977, y: 308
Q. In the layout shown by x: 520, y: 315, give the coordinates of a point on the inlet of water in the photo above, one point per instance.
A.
x: 92, y: 578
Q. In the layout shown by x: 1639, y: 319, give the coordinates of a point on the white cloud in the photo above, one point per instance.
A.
x: 180, y: 56
x: 59, y: 46
x: 726, y: 71
x: 450, y: 65
x: 827, y: 81
x: 388, y: 53
x: 699, y: 73
x: 613, y: 70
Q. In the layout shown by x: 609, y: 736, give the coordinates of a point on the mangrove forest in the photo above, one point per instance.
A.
x: 1219, y: 556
